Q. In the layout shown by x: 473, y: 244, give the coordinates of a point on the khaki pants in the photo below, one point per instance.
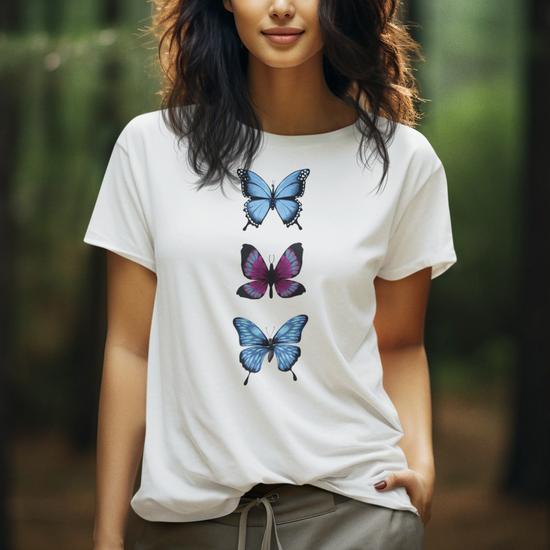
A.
x: 291, y: 517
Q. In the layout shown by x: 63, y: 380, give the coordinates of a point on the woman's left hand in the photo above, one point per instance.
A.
x: 419, y: 488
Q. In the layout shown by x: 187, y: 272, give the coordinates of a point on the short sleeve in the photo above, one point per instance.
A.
x: 119, y: 222
x: 422, y: 235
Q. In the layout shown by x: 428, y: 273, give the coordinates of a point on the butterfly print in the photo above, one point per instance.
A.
x: 258, y: 345
x: 255, y: 268
x: 262, y: 198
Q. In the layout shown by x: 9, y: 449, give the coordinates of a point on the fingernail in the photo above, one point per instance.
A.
x: 380, y: 485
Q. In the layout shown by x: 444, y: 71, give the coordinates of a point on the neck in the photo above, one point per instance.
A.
x: 296, y: 100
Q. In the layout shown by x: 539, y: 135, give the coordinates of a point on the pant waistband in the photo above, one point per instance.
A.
x: 271, y: 505
x: 289, y: 503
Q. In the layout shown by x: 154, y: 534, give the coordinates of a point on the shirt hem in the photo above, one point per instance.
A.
x: 387, y: 500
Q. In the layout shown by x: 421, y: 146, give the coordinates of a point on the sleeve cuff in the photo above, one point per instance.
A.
x: 439, y: 265
x: 146, y: 262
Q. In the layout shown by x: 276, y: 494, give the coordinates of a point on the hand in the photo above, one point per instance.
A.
x: 419, y: 488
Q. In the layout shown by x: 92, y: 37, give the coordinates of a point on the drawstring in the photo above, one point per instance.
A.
x: 270, y: 525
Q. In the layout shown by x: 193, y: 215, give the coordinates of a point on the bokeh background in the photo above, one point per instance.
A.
x: 74, y: 72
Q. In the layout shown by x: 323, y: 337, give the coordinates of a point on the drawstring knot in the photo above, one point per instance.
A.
x: 270, y: 526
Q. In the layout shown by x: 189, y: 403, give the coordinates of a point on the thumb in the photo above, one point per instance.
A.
x: 402, y: 478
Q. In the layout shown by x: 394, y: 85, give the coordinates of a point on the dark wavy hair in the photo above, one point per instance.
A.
x: 366, y: 64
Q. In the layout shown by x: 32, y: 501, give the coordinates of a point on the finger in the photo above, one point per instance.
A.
x: 402, y: 478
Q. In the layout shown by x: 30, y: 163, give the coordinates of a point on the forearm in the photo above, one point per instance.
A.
x: 120, y: 440
x: 399, y: 324
x: 407, y: 382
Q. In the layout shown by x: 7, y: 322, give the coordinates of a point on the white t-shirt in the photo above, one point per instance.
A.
x: 286, y: 305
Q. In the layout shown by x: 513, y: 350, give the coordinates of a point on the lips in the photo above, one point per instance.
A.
x: 283, y: 30
x: 282, y: 35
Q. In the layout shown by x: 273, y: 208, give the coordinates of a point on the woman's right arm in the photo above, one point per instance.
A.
x: 121, y: 423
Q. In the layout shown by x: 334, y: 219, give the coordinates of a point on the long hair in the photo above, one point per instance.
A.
x: 366, y: 63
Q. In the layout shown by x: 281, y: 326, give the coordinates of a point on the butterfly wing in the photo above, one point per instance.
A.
x: 252, y: 358
x: 249, y: 333
x: 252, y: 263
x: 254, y: 267
x: 289, y: 289
x: 286, y: 356
x: 291, y: 331
x: 259, y: 196
x: 289, y: 266
x: 290, y: 263
x: 293, y: 186
x: 253, y: 290
x: 286, y: 196
x: 253, y: 186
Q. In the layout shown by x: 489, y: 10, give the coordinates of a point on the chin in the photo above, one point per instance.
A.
x: 283, y: 60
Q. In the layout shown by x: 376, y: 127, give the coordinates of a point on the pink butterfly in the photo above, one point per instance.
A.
x: 255, y: 269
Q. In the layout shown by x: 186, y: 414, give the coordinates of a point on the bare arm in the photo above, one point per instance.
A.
x: 399, y: 323
x: 121, y: 423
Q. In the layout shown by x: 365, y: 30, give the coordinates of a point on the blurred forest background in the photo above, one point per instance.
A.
x: 74, y: 72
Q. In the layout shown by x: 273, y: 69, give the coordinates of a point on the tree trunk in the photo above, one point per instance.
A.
x: 528, y: 473
x: 86, y: 351
x: 86, y: 355
x: 9, y: 16
x: 8, y: 131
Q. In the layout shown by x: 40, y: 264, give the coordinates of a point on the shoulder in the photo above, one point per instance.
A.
x: 413, y: 162
x: 412, y: 146
x: 148, y: 130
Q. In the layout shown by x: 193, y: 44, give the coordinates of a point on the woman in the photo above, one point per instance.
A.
x: 255, y: 358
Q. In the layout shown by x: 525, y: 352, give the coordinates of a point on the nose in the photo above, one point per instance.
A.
x: 282, y: 9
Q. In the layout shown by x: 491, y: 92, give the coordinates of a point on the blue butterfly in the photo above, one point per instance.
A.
x: 253, y: 357
x: 284, y: 199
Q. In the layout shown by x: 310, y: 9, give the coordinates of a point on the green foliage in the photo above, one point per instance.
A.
x: 74, y: 94
x: 475, y: 123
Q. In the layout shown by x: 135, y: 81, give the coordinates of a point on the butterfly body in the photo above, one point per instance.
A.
x: 283, y: 198
x: 262, y: 277
x: 271, y: 279
x: 259, y: 345
x: 271, y: 351
x: 272, y: 202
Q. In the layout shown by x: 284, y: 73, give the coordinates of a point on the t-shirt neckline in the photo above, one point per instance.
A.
x: 281, y: 140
